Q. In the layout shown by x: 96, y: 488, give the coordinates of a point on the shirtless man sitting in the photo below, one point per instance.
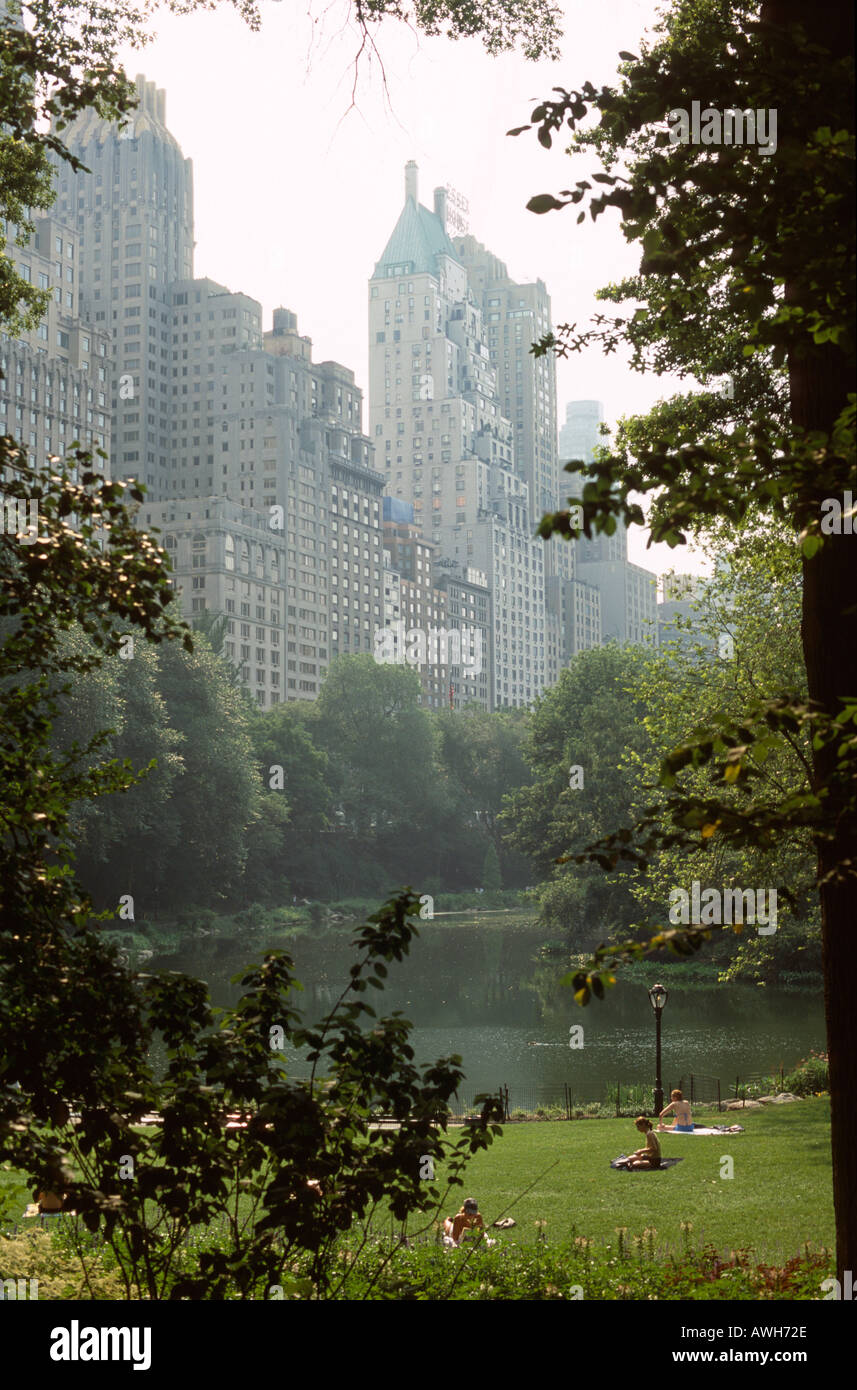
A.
x: 469, y: 1218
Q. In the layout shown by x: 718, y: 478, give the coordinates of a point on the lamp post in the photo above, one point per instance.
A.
x: 657, y: 998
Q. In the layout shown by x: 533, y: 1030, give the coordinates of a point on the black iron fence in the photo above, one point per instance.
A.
x: 563, y: 1101
x: 554, y: 1101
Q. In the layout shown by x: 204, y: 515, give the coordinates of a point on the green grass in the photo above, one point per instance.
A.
x: 779, y: 1199
x: 777, y: 1204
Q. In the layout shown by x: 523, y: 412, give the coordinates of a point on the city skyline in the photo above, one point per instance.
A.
x: 317, y: 262
x: 207, y: 408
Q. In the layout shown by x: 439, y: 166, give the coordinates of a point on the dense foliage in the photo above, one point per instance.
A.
x: 746, y: 253
x: 350, y: 795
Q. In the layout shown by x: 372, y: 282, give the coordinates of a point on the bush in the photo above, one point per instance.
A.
x: 39, y: 1254
x: 632, y: 1267
x: 809, y: 1077
x: 307, y: 1167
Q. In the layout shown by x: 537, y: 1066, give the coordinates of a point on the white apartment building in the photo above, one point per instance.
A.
x: 437, y: 424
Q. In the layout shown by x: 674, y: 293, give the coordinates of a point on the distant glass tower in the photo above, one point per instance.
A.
x: 580, y: 433
x: 578, y: 439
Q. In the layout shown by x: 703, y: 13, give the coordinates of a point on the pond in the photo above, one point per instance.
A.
x: 482, y: 988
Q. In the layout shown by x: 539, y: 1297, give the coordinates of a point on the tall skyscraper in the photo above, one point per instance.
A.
x: 578, y: 440
x: 437, y: 421
x: 580, y: 433
x: 55, y: 386
x: 131, y: 208
x: 515, y: 316
x: 422, y: 606
x: 627, y: 593
x: 628, y: 597
x: 284, y: 536
x: 256, y: 468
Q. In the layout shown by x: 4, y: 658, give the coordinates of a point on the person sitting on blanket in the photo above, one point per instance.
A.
x: 468, y: 1219
x: 50, y: 1204
x: 650, y: 1156
x: 682, y: 1122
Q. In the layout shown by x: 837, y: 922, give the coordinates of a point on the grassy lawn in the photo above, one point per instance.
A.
x: 778, y: 1202
x: 779, y: 1198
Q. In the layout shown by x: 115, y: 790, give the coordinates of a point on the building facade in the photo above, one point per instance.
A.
x: 284, y: 481
x: 469, y: 610
x: 414, y: 638
x: 253, y: 456
x: 581, y: 431
x: 56, y: 378
x: 628, y: 600
x: 627, y: 593
x: 131, y: 209
x: 441, y: 436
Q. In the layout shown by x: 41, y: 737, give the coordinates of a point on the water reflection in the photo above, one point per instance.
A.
x: 484, y: 991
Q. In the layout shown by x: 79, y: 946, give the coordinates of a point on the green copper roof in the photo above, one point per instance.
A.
x: 418, y: 239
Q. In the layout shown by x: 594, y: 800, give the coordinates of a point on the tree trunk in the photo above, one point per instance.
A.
x: 819, y: 384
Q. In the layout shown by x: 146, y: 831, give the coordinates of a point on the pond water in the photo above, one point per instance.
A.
x: 482, y: 989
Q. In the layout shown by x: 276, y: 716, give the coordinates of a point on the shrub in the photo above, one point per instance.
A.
x: 306, y: 1157
x: 37, y: 1254
x: 632, y: 1267
x: 809, y: 1077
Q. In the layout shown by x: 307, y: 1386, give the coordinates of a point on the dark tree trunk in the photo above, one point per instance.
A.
x: 819, y: 384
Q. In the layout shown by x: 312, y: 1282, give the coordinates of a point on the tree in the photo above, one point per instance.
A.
x: 297, y: 811
x: 214, y: 626
x: 380, y: 747
x: 747, y: 646
x: 580, y: 734
x: 216, y: 797
x: 121, y: 839
x: 65, y: 1007
x: 491, y: 877
x: 767, y: 240
x: 481, y: 757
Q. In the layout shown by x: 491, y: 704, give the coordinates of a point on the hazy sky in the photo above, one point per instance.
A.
x: 297, y: 189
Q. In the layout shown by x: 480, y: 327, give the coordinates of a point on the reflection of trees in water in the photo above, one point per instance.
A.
x: 460, y: 974
x: 493, y: 976
x: 488, y: 995
x: 555, y: 1001
x: 475, y: 966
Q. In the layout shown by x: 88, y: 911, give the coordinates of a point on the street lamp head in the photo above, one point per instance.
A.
x: 658, y: 997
